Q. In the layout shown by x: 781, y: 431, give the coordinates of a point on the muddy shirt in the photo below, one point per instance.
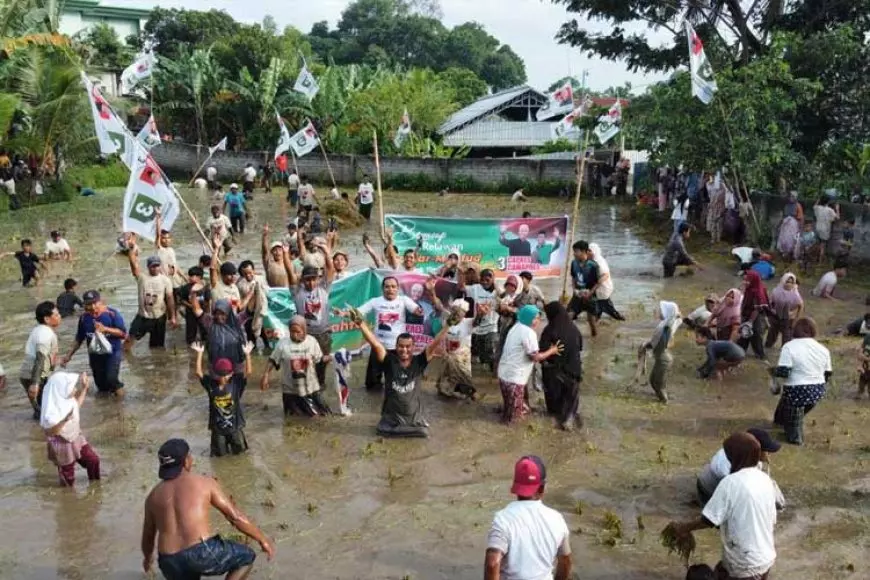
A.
x: 296, y: 361
x: 314, y: 306
x: 402, y: 403
x: 225, y: 414
x: 477, y: 295
x: 276, y: 274
x: 42, y: 340
x: 221, y: 291
x: 152, y: 295
x: 67, y: 302
x: 169, y: 266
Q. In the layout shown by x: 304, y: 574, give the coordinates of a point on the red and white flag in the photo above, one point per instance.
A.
x: 305, y: 141
x: 703, y: 80
x: 141, y: 69
x: 559, y: 102
x: 147, y: 191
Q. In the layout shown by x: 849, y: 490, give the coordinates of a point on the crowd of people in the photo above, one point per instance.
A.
x: 485, y: 329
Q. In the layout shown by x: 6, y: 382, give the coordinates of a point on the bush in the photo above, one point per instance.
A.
x: 468, y: 184
x: 111, y: 174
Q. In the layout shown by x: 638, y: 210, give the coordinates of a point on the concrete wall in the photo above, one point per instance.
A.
x: 180, y: 160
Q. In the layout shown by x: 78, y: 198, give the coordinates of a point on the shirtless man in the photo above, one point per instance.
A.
x: 176, y: 513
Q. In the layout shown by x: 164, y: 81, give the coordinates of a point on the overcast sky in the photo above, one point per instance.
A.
x: 528, y: 26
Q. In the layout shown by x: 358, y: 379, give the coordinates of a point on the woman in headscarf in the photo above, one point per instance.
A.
x: 519, y: 355
x: 753, y: 313
x: 790, y: 227
x: 604, y: 290
x: 786, y: 306
x: 507, y: 307
x: 225, y: 337
x: 62, y: 399
x: 670, y: 319
x: 743, y: 507
x: 456, y: 369
x: 563, y: 373
x: 805, y: 366
x: 726, y: 316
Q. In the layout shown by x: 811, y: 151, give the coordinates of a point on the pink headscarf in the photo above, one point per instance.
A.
x: 782, y: 300
x: 727, y: 315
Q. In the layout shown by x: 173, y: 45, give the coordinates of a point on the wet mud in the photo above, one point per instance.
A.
x: 342, y: 503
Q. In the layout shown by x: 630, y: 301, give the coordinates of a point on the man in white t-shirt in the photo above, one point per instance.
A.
x: 389, y: 311
x: 482, y: 299
x: 519, y: 195
x: 250, y: 176
x: 220, y: 229
x: 526, y: 537
x: 57, y: 248
x: 293, y: 188
x: 825, y: 218
x: 211, y: 177
x: 40, y: 354
x: 307, y: 197
x: 743, y: 507
x: 365, y: 196
x: 828, y: 282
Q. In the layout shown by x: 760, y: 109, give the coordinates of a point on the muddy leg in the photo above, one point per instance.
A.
x: 240, y: 573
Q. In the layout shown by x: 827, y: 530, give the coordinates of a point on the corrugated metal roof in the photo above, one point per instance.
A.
x: 495, y: 132
x: 483, y: 106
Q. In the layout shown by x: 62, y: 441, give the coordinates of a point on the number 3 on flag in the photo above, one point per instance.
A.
x: 142, y: 209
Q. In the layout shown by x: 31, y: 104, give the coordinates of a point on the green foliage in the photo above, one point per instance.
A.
x: 100, y: 176
x: 467, y: 87
x: 103, y: 48
x: 467, y: 184
x: 556, y: 146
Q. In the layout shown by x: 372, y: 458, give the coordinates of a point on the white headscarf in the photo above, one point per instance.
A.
x: 57, y: 398
x: 671, y: 318
x: 603, y: 267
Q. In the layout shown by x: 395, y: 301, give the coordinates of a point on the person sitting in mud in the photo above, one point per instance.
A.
x: 176, y: 516
x: 299, y: 354
x: 721, y: 354
x: 699, y: 317
x: 57, y: 248
x: 858, y: 327
x: 402, y: 411
x: 828, y: 283
x: 226, y: 418
x: 719, y: 467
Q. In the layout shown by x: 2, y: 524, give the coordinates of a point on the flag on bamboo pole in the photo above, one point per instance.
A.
x: 559, y: 102
x: 284, y: 139
x: 305, y: 141
x: 147, y: 190
x: 221, y: 146
x: 703, y: 80
x: 141, y: 69
x: 565, y: 128
x: 306, y: 83
x: 609, y: 125
x: 112, y: 133
x: 148, y: 136
x: 403, y: 131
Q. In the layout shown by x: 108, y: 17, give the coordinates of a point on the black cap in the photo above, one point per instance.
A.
x: 90, y: 297
x: 526, y: 274
x: 171, y: 456
x: 767, y: 442
x: 310, y: 272
x: 228, y: 269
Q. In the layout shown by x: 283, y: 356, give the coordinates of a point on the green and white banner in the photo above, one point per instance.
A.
x: 505, y: 245
x: 356, y: 290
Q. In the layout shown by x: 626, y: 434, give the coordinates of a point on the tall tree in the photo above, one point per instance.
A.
x: 173, y: 29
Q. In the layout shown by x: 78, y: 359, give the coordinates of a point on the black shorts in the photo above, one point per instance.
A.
x: 578, y: 305
x: 248, y: 187
x: 212, y: 557
x: 228, y: 443
x: 154, y: 327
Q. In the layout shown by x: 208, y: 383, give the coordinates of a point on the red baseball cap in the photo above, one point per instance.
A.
x: 223, y: 366
x: 529, y: 475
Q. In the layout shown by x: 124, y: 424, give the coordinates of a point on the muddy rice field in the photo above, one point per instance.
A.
x: 342, y: 503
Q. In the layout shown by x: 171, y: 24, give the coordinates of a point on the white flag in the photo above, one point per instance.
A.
x: 403, y: 131
x: 149, y: 137
x: 112, y: 134
x: 283, y: 139
x: 306, y: 83
x: 609, y: 125
x: 147, y: 190
x: 305, y: 141
x: 565, y: 128
x: 221, y: 146
x: 703, y: 80
x: 140, y: 70
x: 560, y: 102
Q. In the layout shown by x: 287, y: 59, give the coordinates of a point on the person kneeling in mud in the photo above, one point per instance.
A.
x: 402, y: 412
x: 299, y: 354
x: 670, y: 319
x: 226, y: 419
x: 721, y: 354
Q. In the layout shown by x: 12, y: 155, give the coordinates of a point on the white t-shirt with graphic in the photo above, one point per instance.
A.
x: 366, y: 193
x: 389, y: 317
x: 480, y: 295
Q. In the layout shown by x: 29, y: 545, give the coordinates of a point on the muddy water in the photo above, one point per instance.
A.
x: 342, y: 503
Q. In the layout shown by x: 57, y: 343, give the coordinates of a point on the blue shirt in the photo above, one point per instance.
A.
x: 764, y: 269
x: 236, y: 203
x: 111, y: 318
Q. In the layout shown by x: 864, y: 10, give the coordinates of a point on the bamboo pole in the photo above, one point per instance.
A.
x: 581, y: 170
x: 380, y: 193
x: 742, y: 192
x: 326, y: 158
x: 195, y: 175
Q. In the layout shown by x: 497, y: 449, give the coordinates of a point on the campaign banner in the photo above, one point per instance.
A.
x: 356, y: 290
x: 504, y: 245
